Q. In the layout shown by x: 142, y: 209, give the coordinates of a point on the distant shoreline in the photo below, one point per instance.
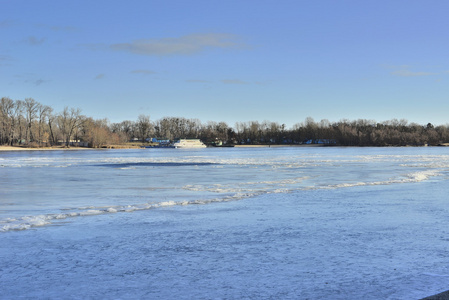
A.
x: 277, y: 146
x: 18, y: 148
x: 63, y: 148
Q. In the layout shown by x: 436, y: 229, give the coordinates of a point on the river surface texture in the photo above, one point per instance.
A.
x: 216, y: 223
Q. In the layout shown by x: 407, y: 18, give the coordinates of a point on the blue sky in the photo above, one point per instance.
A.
x: 230, y: 60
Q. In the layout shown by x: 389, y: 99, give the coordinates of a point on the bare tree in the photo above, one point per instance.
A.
x: 144, y: 127
x: 43, y: 113
x: 67, y: 121
x: 6, y: 117
x: 124, y: 129
x: 52, y: 122
x: 31, y: 108
x: 96, y: 132
x: 17, y: 122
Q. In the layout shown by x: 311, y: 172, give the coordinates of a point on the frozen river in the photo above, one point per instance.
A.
x: 252, y: 223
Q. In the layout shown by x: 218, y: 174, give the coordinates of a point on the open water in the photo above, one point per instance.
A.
x: 225, y: 223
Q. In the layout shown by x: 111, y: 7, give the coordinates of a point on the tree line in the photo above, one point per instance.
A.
x: 30, y: 123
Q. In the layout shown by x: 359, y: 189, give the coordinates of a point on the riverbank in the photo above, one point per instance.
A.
x: 286, y: 145
x: 20, y: 148
x: 133, y: 146
x: 23, y: 148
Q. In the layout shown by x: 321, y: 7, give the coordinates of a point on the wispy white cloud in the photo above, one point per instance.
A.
x: 32, y: 40
x: 184, y: 45
x: 56, y: 28
x: 408, y: 73
x: 143, y: 71
x: 5, y: 58
x: 197, y: 81
x: 404, y: 71
x: 6, y: 23
x: 40, y: 81
x: 262, y: 82
x: 34, y: 81
x: 234, y: 81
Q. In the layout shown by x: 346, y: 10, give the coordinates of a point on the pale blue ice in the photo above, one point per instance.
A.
x: 269, y: 223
